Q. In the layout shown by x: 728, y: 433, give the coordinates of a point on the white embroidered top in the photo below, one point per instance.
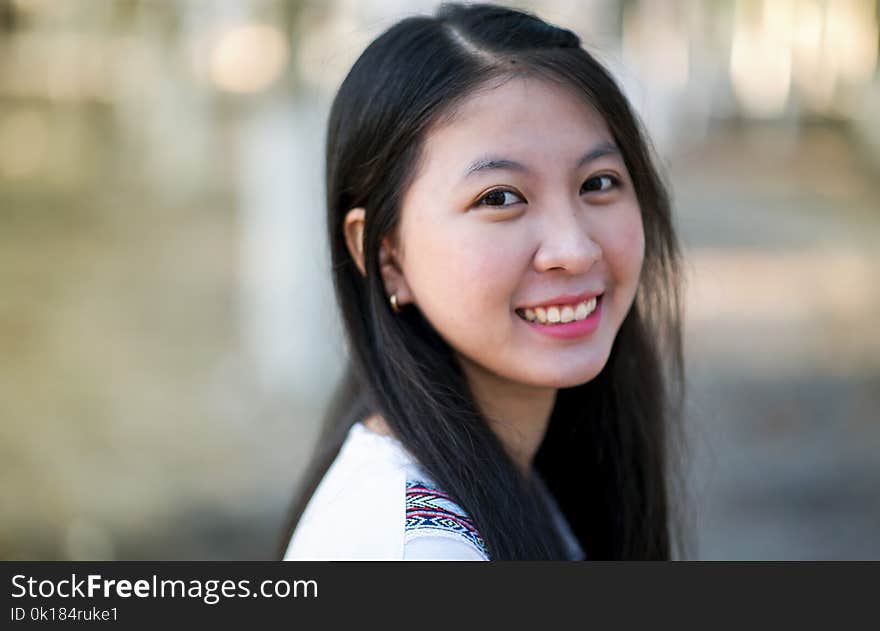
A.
x: 375, y: 502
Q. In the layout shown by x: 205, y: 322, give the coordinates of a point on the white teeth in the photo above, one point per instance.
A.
x: 567, y: 314
x: 560, y: 313
x: 585, y: 308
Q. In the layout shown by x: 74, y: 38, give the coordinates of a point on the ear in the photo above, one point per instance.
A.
x: 353, y: 227
x: 391, y: 265
x: 389, y: 256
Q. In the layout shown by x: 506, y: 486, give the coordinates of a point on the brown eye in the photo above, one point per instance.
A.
x: 499, y: 197
x: 601, y: 183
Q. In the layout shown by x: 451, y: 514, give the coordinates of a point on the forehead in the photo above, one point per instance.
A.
x: 532, y: 120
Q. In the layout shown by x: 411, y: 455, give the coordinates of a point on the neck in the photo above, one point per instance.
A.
x: 518, y: 414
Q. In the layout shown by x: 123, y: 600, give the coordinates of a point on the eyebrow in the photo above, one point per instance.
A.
x: 494, y: 163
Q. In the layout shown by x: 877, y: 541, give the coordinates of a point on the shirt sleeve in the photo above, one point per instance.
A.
x: 440, y: 548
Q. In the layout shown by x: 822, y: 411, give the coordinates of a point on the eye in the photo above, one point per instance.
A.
x: 600, y: 183
x: 499, y: 198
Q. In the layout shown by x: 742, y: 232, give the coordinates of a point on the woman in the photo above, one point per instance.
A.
x: 507, y: 272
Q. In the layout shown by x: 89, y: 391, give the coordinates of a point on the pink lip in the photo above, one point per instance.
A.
x: 566, y: 299
x: 569, y: 330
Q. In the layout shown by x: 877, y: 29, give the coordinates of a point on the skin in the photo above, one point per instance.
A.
x: 467, y: 261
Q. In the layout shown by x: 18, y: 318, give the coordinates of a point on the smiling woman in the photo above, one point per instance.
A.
x: 507, y: 272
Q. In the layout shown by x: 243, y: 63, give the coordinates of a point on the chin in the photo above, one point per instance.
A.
x: 577, y: 380
x: 569, y: 378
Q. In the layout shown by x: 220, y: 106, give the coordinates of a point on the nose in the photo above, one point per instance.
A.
x: 565, y: 242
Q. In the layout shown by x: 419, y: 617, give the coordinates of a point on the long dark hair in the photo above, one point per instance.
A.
x: 607, y: 456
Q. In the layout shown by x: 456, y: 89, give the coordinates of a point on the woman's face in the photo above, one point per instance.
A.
x: 522, y: 200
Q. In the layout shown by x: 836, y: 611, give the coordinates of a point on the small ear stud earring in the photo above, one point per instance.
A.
x: 394, y: 306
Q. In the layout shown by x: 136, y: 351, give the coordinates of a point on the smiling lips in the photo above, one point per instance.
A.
x: 561, y: 313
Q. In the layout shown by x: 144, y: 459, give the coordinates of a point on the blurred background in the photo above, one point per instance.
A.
x: 168, y: 336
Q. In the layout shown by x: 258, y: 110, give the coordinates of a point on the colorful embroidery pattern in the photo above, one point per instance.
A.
x: 428, y: 508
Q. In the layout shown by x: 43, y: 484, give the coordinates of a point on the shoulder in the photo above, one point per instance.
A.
x: 357, y: 510
x: 437, y: 528
x: 375, y: 503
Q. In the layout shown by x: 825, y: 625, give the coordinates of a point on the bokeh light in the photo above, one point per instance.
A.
x: 248, y: 58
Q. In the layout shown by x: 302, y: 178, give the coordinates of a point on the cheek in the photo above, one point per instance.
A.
x: 625, y: 247
x: 463, y: 280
